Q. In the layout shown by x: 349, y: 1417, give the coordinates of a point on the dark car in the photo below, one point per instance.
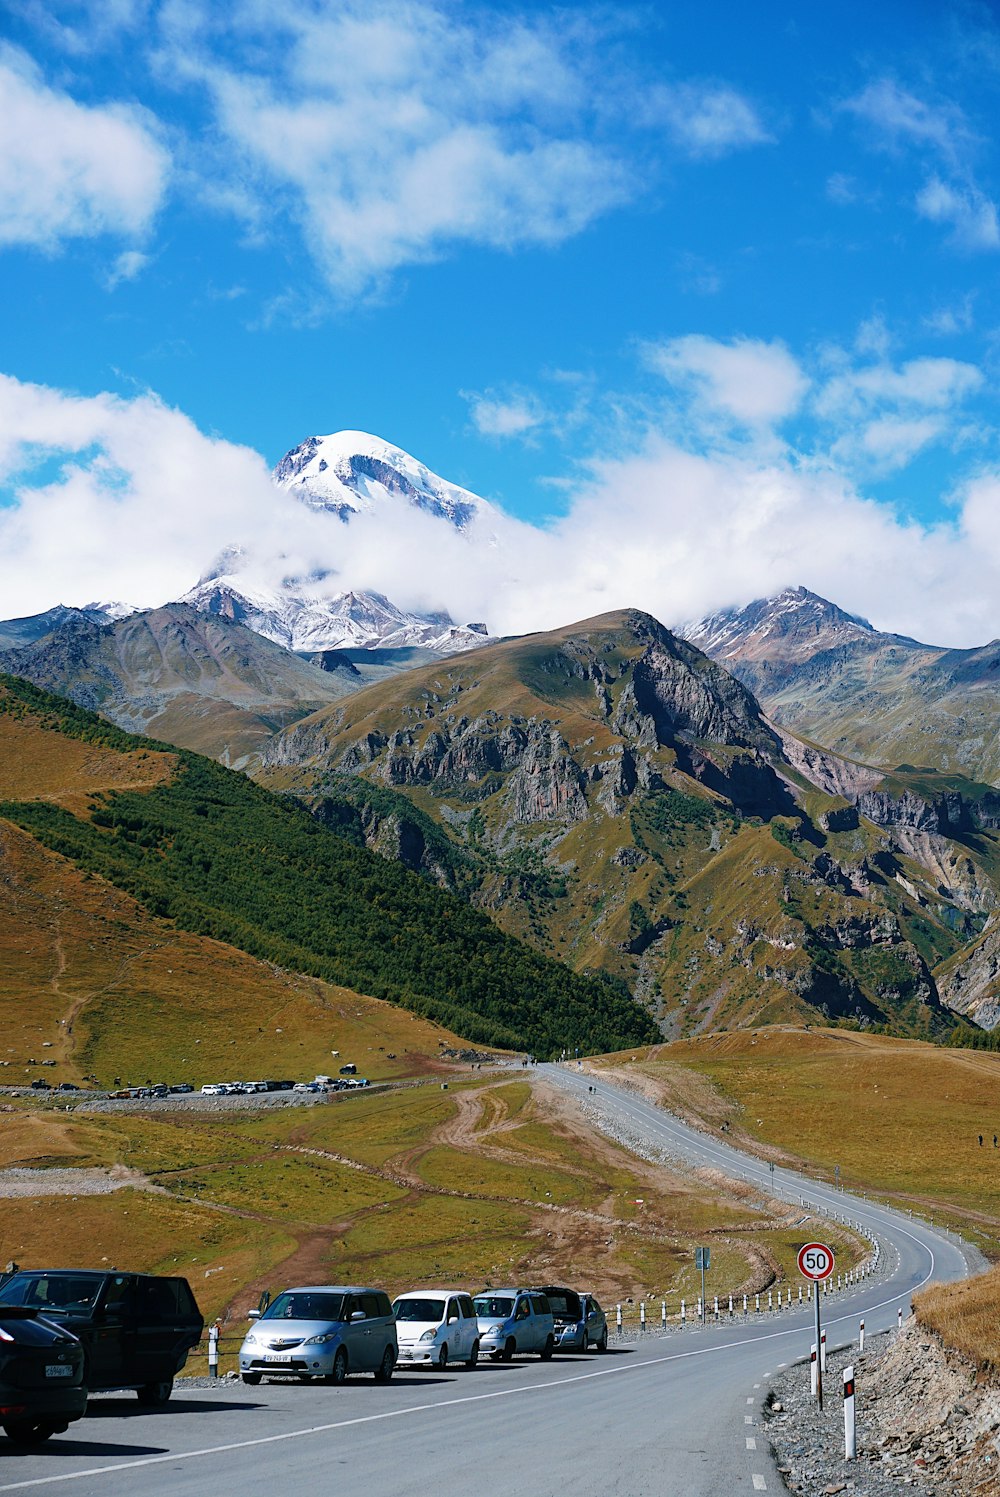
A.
x: 41, y: 1376
x: 136, y: 1329
x: 580, y: 1321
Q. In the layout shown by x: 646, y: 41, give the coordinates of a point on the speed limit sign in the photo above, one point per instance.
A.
x: 815, y: 1261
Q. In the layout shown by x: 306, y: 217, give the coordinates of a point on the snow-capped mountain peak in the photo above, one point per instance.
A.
x: 348, y: 472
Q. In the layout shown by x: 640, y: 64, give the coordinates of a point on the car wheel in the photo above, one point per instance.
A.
x: 28, y: 1431
x: 155, y: 1395
x: 339, y: 1373
x: 442, y: 1357
x: 510, y: 1347
x: 602, y: 1340
x: 473, y: 1355
x: 548, y: 1349
x: 386, y: 1366
x: 251, y: 1378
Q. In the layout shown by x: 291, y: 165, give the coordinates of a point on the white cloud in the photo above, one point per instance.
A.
x: 708, y: 119
x: 881, y: 416
x: 972, y: 215
x: 68, y: 169
x: 126, y: 267
x: 396, y: 130
x: 753, y: 382
x: 126, y: 498
x: 515, y: 415
x: 899, y: 118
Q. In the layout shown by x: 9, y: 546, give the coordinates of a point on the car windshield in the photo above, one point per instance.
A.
x: 305, y: 1304
x: 55, y: 1294
x: 419, y: 1309
x: 494, y: 1304
x: 563, y: 1302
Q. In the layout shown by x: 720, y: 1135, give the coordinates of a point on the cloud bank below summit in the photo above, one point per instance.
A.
x: 126, y: 499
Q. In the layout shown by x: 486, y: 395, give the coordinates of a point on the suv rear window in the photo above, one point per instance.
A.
x: 565, y: 1302
x: 165, y: 1299
x: 53, y: 1293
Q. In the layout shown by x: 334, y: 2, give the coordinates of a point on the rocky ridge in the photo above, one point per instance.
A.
x: 610, y: 793
x: 879, y: 697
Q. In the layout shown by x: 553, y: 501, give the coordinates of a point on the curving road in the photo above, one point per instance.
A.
x: 675, y: 1414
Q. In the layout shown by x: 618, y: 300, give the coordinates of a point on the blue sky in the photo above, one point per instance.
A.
x: 554, y: 253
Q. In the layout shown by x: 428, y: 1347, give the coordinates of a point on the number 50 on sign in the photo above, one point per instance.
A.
x: 815, y: 1261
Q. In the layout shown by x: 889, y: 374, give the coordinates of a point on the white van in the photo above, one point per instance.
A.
x: 435, y: 1327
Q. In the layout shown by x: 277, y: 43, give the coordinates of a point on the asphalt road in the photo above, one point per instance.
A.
x: 670, y: 1415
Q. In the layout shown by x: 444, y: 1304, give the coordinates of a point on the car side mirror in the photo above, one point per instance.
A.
x: 358, y: 1315
x: 253, y: 1315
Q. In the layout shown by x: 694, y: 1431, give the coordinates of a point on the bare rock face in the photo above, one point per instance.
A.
x: 972, y: 987
x: 548, y: 784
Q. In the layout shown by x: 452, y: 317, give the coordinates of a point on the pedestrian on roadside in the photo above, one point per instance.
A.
x: 994, y: 1140
x: 980, y: 1140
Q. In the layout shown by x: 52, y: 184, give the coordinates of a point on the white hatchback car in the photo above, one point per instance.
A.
x: 435, y: 1327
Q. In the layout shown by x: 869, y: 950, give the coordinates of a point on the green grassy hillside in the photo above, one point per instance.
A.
x: 219, y: 856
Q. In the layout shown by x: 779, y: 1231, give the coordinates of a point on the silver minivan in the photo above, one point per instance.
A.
x: 512, y: 1321
x: 321, y: 1332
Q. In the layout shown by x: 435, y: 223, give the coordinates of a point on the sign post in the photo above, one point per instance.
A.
x: 702, y: 1259
x: 816, y: 1264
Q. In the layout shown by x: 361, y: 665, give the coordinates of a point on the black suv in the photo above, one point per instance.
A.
x: 136, y: 1329
x: 41, y: 1376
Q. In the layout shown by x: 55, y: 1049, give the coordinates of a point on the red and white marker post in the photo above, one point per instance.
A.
x: 816, y: 1263
x: 850, y: 1426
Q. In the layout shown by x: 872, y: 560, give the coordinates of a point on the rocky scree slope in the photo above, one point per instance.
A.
x: 613, y: 796
x: 882, y: 698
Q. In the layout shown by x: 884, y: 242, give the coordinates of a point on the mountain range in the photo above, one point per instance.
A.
x: 611, y: 795
x: 774, y: 813
x: 879, y: 697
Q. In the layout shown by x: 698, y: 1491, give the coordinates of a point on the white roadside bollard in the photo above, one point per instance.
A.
x: 813, y: 1372
x: 899, y: 1318
x: 788, y: 1297
x: 642, y: 1317
x: 663, y: 1314
x: 730, y: 1304
x: 746, y: 1306
x: 822, y: 1352
x: 213, y: 1350
x: 701, y: 1312
x: 850, y: 1426
x: 770, y: 1300
x: 861, y: 1340
x: 757, y: 1303
x: 684, y: 1313
x: 618, y: 1319
x: 800, y: 1294
x: 716, y: 1307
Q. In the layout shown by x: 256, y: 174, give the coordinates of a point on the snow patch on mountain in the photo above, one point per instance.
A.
x: 352, y: 620
x: 351, y: 472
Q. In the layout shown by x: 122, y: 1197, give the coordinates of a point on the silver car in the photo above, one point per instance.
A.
x: 580, y: 1321
x: 514, y: 1320
x: 321, y: 1332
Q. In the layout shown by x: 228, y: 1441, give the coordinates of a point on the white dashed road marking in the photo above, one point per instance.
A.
x: 759, y: 1484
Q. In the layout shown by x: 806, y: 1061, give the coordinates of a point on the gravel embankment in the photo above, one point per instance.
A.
x: 924, y: 1422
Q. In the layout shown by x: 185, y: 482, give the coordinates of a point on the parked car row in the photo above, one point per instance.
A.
x: 325, y: 1332
x: 347, y: 1081
x: 66, y: 1332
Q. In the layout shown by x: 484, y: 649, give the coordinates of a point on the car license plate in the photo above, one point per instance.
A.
x: 276, y: 1356
x: 57, y: 1371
